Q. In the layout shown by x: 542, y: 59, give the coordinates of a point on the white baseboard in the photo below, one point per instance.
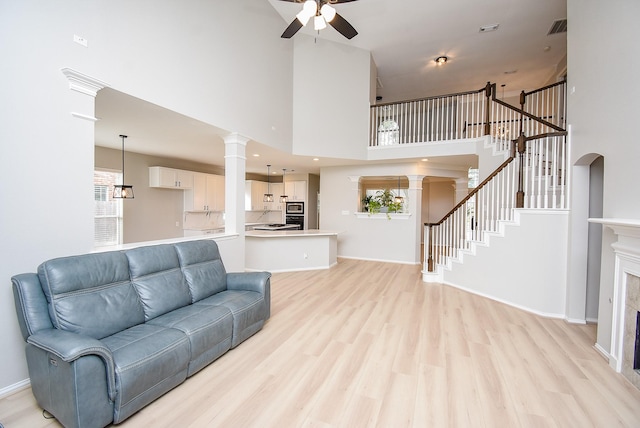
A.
x: 12, y: 389
x: 380, y: 260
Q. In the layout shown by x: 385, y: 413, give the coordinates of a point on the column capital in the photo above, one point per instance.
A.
x: 82, y: 83
x: 236, y: 138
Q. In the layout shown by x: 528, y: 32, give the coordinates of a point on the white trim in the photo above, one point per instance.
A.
x: 84, y: 116
x: 82, y: 83
x: 383, y: 216
x: 507, y: 302
x: 294, y: 269
x: 627, y: 261
x: 16, y: 387
x: 381, y: 260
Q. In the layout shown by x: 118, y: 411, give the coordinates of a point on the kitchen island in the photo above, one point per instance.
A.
x: 290, y: 250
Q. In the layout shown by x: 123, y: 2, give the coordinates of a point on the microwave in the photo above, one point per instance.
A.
x: 295, y: 208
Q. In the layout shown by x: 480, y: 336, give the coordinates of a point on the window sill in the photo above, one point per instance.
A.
x: 383, y: 216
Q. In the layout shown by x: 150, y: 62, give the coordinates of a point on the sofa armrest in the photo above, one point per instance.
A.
x: 252, y: 281
x: 70, y: 346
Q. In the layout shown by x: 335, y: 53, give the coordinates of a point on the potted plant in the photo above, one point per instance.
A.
x: 385, y: 197
x: 366, y: 202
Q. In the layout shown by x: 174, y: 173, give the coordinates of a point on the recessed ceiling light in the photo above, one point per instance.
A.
x: 256, y: 155
x: 488, y: 28
x: 441, y: 60
x: 425, y: 160
x: 316, y: 159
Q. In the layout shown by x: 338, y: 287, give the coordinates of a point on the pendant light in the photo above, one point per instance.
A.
x: 268, y: 197
x: 123, y: 191
x: 399, y: 199
x: 283, y: 198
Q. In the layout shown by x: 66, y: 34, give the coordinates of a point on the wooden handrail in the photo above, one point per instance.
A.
x: 544, y: 88
x: 435, y: 97
x: 474, y: 191
x: 529, y: 115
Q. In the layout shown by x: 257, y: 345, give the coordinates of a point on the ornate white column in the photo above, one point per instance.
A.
x: 415, y: 208
x: 235, y: 162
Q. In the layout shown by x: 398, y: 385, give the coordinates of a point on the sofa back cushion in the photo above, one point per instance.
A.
x: 156, y: 276
x: 90, y: 294
x: 202, y: 268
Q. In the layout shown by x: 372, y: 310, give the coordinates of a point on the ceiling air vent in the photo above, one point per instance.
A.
x: 558, y: 26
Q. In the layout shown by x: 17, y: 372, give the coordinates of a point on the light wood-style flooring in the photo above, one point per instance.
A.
x: 368, y: 344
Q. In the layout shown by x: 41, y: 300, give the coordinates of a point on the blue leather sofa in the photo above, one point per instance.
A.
x: 108, y: 333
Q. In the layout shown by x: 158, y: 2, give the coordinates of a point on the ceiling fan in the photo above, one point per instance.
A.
x: 322, y: 13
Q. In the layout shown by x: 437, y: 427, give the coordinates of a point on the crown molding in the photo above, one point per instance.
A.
x: 83, y: 83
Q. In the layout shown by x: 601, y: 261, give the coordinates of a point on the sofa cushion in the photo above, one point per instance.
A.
x: 202, y: 267
x: 209, y: 329
x: 90, y: 294
x: 156, y: 276
x: 150, y: 360
x: 249, y: 311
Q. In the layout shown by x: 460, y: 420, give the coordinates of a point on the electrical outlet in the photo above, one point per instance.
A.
x: 177, y: 224
x: 306, y: 256
x: 80, y: 40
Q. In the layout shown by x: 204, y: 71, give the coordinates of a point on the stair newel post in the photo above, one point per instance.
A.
x: 521, y: 147
x: 430, y: 249
x: 487, y: 122
x: 522, y: 100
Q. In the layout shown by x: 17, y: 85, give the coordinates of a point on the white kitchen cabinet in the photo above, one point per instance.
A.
x: 277, y: 189
x: 296, y: 190
x: 253, y: 195
x: 207, y: 193
x: 169, y: 178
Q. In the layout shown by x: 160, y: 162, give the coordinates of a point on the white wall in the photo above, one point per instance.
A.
x: 174, y: 54
x: 331, y: 91
x: 375, y: 237
x: 535, y: 280
x: 602, y: 105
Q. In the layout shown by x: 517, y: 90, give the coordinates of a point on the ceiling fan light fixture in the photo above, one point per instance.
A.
x: 309, y: 9
x: 328, y: 12
x: 442, y: 59
x: 319, y: 23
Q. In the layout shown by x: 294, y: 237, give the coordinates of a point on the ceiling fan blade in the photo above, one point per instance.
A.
x: 343, y: 27
x: 292, y: 29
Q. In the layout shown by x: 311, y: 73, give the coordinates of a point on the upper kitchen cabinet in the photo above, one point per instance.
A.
x: 169, y: 178
x: 254, y: 196
x: 277, y: 189
x: 296, y: 190
x: 207, y: 193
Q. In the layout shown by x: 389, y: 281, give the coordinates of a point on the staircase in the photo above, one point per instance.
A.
x: 532, y: 183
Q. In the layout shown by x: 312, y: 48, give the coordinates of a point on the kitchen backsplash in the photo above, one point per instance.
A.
x: 203, y: 220
x: 215, y: 219
x: 263, y: 217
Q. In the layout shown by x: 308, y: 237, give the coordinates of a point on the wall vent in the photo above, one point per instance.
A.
x: 558, y: 26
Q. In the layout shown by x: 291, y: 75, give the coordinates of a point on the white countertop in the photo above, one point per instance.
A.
x: 289, y: 233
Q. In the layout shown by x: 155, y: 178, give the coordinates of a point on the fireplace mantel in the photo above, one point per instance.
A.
x: 627, y: 262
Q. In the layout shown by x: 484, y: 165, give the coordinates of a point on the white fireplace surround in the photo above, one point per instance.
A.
x: 627, y: 262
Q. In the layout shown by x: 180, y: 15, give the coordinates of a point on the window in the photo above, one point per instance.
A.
x: 108, y: 211
x: 474, y: 178
x: 388, y: 133
x: 384, y: 189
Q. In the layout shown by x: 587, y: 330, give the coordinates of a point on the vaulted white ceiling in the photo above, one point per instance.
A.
x: 404, y: 37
